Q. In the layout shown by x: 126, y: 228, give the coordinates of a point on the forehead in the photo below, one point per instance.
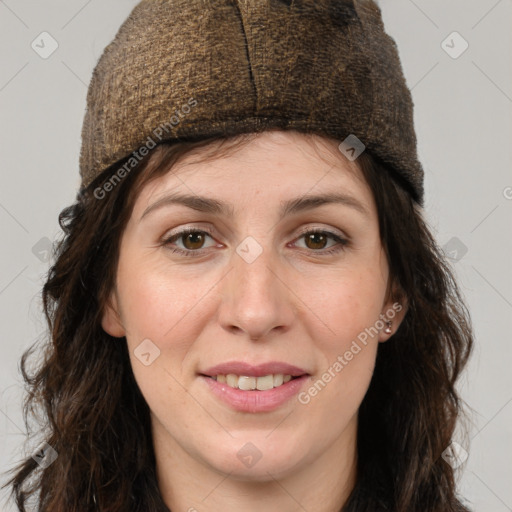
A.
x: 270, y: 145
x: 271, y: 165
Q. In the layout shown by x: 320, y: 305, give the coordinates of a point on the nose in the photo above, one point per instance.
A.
x: 256, y: 299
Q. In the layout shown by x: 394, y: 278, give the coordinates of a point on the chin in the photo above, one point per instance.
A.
x: 256, y: 465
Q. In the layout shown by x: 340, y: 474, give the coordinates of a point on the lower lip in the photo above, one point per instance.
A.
x: 255, y: 400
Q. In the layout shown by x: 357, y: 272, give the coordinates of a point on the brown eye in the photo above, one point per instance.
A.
x: 193, y: 240
x: 316, y: 240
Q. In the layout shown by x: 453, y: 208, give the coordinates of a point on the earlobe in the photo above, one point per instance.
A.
x: 392, y: 316
x: 111, y: 321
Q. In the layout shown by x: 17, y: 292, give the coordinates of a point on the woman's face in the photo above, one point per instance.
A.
x: 251, y: 291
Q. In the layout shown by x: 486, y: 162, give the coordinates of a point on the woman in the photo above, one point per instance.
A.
x: 247, y: 310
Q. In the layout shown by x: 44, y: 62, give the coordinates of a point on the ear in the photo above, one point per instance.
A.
x: 392, y: 315
x: 111, y: 320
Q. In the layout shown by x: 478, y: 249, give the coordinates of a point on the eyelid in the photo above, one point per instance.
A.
x: 210, y: 231
x: 331, y: 230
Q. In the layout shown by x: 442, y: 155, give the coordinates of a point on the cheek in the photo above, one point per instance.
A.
x: 168, y: 310
x: 346, y: 308
x: 156, y: 302
x: 162, y: 307
x: 346, y: 311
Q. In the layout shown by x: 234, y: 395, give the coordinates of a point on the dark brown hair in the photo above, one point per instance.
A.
x: 98, y: 422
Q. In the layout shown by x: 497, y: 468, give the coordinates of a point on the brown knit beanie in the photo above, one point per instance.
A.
x: 192, y: 69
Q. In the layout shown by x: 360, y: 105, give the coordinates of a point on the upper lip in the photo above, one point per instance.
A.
x: 249, y: 370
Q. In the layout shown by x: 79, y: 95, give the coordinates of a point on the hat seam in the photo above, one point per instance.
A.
x: 248, y: 56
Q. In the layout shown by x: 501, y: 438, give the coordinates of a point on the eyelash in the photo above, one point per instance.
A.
x: 342, y: 242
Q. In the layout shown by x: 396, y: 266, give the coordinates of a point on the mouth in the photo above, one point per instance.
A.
x: 253, y: 388
x: 248, y: 388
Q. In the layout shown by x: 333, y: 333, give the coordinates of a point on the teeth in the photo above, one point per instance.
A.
x: 232, y: 380
x: 250, y: 383
x: 278, y: 379
x: 263, y: 383
x: 246, y: 383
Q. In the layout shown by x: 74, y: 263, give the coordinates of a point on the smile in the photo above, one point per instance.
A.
x: 234, y: 394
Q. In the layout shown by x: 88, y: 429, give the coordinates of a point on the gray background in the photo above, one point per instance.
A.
x: 463, y: 121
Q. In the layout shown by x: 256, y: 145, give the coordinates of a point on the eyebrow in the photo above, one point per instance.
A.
x: 292, y: 206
